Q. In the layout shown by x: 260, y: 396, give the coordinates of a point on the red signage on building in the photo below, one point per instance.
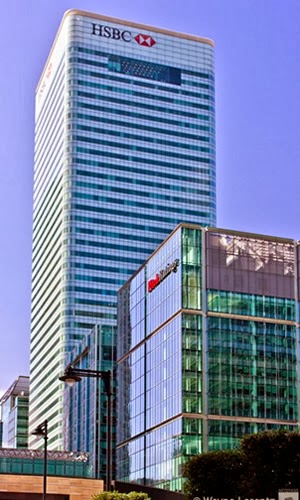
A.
x: 145, y: 40
x: 159, y: 277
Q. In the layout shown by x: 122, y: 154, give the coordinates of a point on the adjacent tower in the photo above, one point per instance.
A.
x: 124, y: 150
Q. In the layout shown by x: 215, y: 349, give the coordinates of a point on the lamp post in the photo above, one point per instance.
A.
x: 42, y: 431
x: 73, y: 375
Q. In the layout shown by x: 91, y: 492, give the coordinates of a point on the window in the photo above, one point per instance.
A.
x: 144, y: 69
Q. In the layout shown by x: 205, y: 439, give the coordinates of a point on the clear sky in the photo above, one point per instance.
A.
x: 258, y: 125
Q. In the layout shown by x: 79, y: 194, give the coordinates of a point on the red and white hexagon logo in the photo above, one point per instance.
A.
x: 145, y: 40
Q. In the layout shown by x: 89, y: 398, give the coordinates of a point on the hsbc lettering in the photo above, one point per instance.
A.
x: 111, y: 32
x: 124, y: 35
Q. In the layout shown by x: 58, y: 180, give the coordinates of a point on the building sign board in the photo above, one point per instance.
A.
x: 162, y: 274
x: 122, y: 35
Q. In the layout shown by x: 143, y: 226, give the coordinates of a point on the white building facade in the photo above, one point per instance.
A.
x: 124, y: 151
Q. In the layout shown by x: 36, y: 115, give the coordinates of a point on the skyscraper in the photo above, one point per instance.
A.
x: 124, y: 150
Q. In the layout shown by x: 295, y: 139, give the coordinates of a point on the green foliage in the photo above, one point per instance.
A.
x: 266, y: 462
x: 115, y: 495
x: 272, y: 462
x: 213, y: 474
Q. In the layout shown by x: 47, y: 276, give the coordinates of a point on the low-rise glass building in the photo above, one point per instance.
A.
x: 68, y: 477
x: 59, y: 463
x: 207, y: 349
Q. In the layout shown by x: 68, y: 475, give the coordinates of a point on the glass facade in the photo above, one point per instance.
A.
x: 207, y: 349
x: 86, y: 429
x: 124, y: 151
x: 14, y: 407
x: 32, y: 462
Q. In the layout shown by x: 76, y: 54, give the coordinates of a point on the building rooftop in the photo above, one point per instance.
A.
x: 19, y: 387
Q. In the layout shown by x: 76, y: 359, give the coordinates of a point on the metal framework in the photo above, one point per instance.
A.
x: 66, y: 456
x: 21, y: 384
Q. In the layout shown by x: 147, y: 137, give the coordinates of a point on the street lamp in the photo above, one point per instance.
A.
x: 42, y: 431
x: 73, y: 375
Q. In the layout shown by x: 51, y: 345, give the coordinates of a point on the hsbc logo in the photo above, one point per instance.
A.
x: 145, y: 40
x: 122, y: 35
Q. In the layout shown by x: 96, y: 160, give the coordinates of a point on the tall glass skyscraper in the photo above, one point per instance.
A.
x: 124, y: 150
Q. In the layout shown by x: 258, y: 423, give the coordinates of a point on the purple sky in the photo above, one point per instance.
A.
x: 258, y: 125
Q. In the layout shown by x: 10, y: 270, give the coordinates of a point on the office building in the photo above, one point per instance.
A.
x: 14, y: 405
x: 124, y: 150
x: 86, y: 429
x: 207, y: 349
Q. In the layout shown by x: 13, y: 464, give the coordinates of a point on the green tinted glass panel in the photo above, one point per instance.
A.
x: 251, y: 305
x: 191, y: 268
x: 252, y: 369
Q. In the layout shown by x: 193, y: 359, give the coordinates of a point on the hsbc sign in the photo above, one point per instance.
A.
x: 122, y: 35
x: 145, y: 40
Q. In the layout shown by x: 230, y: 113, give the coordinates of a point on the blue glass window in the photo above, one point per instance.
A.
x: 144, y: 69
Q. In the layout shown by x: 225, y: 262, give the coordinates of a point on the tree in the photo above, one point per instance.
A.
x: 264, y: 463
x: 115, y: 495
x: 272, y: 462
x: 215, y: 474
